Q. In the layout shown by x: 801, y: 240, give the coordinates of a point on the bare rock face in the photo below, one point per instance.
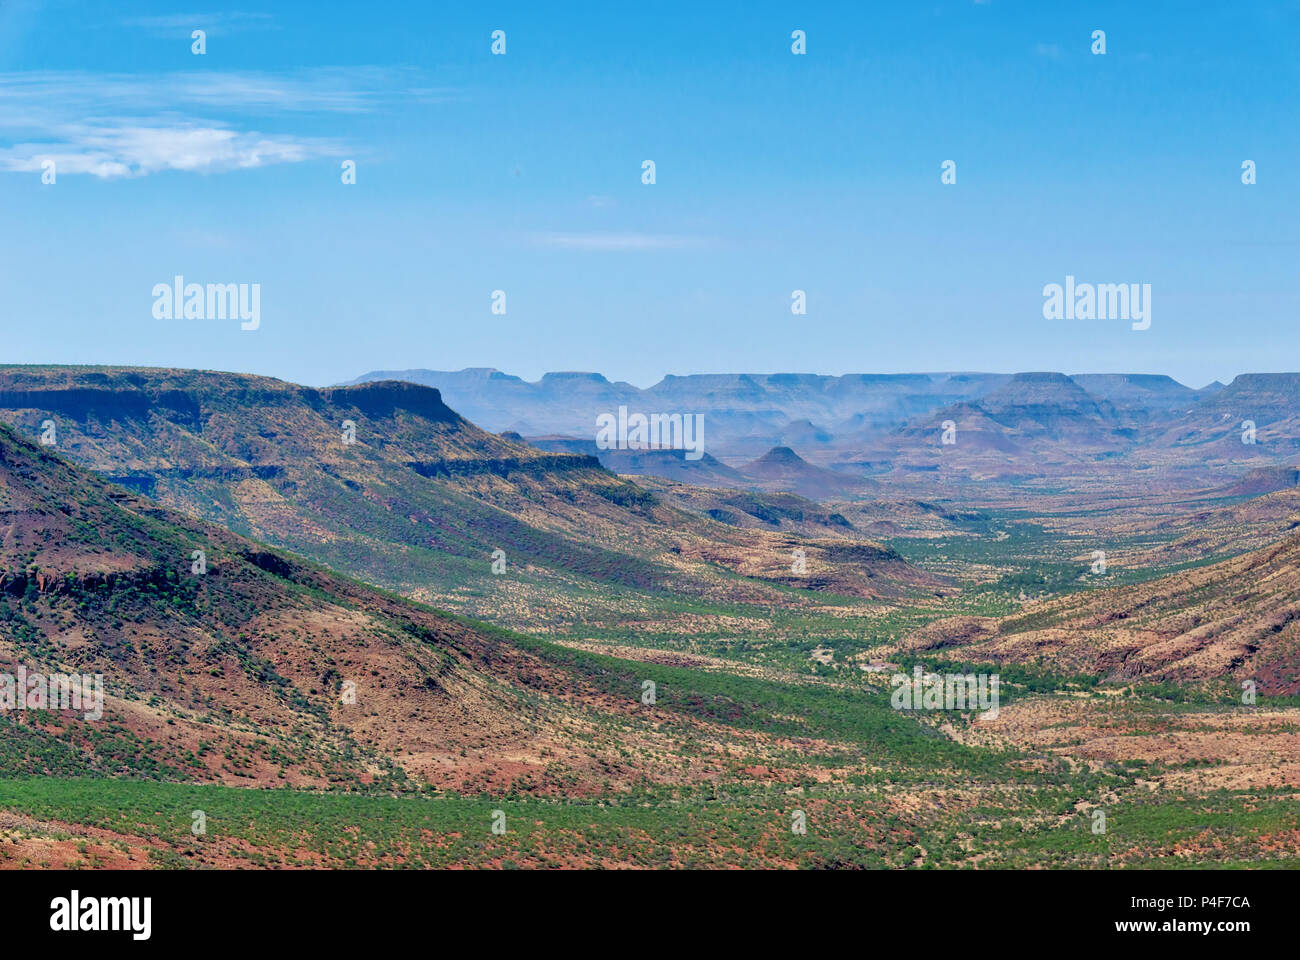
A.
x: 383, y: 398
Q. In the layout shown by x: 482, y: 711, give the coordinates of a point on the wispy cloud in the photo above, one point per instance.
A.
x: 108, y: 150
x: 129, y: 125
x: 216, y: 24
x: 355, y: 89
x: 619, y: 241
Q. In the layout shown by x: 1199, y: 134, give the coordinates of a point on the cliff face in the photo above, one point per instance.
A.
x: 104, y: 404
x: 187, y: 419
x: 384, y: 398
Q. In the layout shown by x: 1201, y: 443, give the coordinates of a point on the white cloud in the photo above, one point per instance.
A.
x: 143, y: 124
x: 126, y: 150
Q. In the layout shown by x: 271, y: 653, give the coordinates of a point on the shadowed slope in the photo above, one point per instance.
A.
x: 1238, y: 619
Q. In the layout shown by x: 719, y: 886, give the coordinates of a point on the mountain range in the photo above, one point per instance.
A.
x: 383, y: 481
x: 1134, y: 431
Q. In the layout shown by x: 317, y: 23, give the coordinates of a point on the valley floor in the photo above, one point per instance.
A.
x: 770, y: 740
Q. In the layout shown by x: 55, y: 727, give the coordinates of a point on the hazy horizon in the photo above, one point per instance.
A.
x: 647, y: 384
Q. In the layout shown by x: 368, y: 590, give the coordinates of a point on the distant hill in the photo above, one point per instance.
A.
x: 1139, y: 393
x: 1123, y: 429
x: 746, y: 413
x: 783, y: 469
x: 1033, y: 426
x: 1216, y: 426
x: 754, y: 509
x: 1045, y: 403
x: 1265, y: 480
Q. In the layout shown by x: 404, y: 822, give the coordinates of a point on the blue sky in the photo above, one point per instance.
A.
x: 775, y: 172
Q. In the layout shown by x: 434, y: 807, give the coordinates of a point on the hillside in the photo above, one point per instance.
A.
x: 239, y: 674
x: 419, y: 501
x: 667, y: 464
x: 1238, y: 619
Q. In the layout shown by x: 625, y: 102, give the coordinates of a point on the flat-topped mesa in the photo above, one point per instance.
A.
x: 1282, y: 386
x: 1044, y: 394
x: 1139, y: 390
x: 1259, y: 397
x: 562, y: 376
x: 381, y: 399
